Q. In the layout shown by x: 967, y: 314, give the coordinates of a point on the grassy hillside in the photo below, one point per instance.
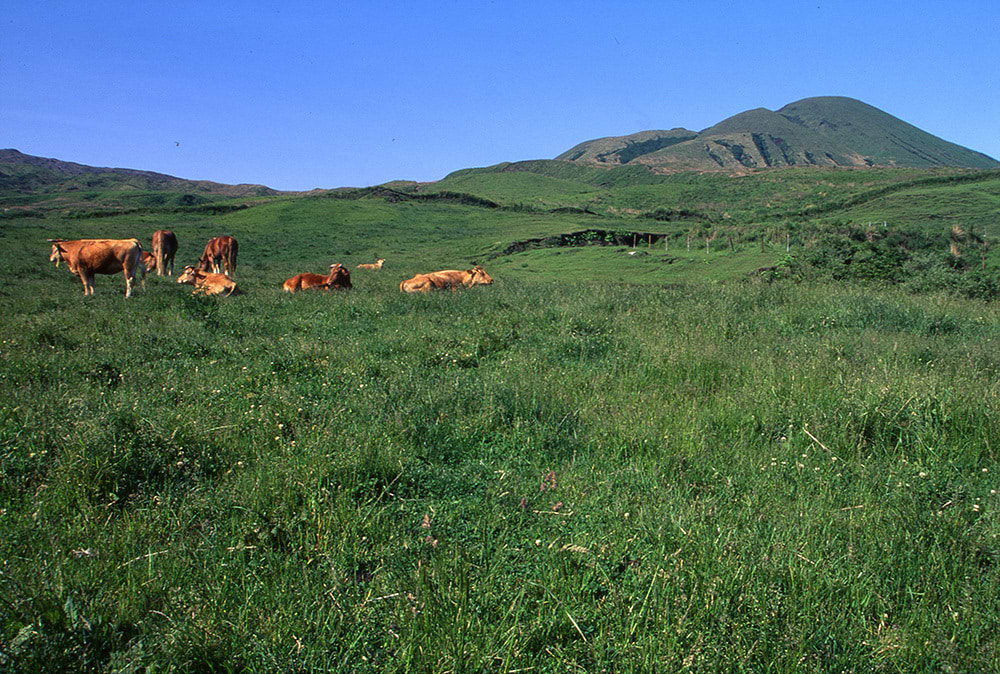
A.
x: 26, y: 174
x: 623, y: 149
x: 647, y: 458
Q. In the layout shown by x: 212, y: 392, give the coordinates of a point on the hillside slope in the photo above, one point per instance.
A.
x: 28, y: 174
x: 822, y: 131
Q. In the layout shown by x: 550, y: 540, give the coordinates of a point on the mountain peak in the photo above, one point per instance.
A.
x: 822, y: 130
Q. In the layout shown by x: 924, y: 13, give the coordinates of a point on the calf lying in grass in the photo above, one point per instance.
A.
x: 208, y: 283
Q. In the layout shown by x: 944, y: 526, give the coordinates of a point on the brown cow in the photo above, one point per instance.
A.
x: 86, y: 257
x: 378, y: 264
x: 147, y: 263
x: 208, y: 283
x: 164, y: 249
x: 219, y: 255
x: 338, y: 277
x: 448, y: 278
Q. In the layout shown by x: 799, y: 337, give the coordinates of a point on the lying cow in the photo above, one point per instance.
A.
x: 338, y: 278
x: 449, y: 278
x: 219, y: 256
x: 378, y: 264
x: 164, y: 249
x: 208, y: 283
x: 86, y: 257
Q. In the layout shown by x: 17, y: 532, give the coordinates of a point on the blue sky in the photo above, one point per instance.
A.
x: 302, y: 95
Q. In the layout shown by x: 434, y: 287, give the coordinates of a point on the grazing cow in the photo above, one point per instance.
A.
x: 449, y: 278
x: 208, y: 283
x: 378, y: 264
x: 86, y: 257
x: 338, y: 277
x: 147, y: 263
x: 164, y: 249
x: 219, y: 255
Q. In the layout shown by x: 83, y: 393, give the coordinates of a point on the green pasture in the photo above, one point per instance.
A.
x: 663, y: 461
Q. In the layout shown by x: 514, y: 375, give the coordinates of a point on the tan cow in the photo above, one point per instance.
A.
x: 164, y: 249
x: 338, y: 278
x: 448, y: 278
x: 220, y: 255
x: 378, y: 264
x: 86, y: 257
x: 208, y: 283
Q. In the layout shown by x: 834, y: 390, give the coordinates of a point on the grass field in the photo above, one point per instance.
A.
x: 604, y: 461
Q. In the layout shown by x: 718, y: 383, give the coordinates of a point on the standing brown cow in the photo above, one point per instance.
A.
x: 338, y: 277
x: 219, y: 255
x: 86, y: 257
x: 164, y: 249
x: 448, y: 278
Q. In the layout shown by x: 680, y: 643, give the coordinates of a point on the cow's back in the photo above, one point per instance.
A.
x: 108, y: 256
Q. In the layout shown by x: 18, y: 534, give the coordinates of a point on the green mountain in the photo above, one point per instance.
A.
x: 27, y: 174
x: 822, y: 131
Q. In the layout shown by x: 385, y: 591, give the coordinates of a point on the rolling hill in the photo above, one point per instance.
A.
x: 27, y: 174
x: 822, y: 131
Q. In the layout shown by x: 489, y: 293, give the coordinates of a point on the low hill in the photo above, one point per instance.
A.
x: 27, y: 174
x: 822, y: 131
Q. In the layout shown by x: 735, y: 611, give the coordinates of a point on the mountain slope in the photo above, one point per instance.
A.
x: 822, y: 131
x: 622, y: 149
x: 28, y: 174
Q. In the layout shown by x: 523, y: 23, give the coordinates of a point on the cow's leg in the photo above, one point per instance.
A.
x: 129, y: 279
x: 88, y: 283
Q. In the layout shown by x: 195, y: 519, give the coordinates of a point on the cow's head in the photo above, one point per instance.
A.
x: 478, y: 277
x: 203, y: 264
x: 188, y: 275
x: 57, y: 252
x: 339, y: 276
x: 147, y: 260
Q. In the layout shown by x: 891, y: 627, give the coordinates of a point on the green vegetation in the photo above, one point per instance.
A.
x: 646, y: 458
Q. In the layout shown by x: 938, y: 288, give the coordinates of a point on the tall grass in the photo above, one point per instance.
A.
x: 530, y: 475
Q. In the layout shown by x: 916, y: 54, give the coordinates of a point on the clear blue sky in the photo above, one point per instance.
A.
x: 300, y: 95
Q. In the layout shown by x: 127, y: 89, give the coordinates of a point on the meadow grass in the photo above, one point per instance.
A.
x: 560, y: 471
x: 546, y: 475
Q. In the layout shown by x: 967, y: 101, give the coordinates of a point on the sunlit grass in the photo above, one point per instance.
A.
x: 526, y: 475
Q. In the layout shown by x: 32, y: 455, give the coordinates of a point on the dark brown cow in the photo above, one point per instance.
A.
x: 338, y: 278
x: 164, y: 249
x: 208, y: 283
x: 86, y: 257
x: 448, y: 278
x: 219, y: 255
x: 378, y: 264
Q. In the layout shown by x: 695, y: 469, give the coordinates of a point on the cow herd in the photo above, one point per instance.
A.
x: 212, y: 274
